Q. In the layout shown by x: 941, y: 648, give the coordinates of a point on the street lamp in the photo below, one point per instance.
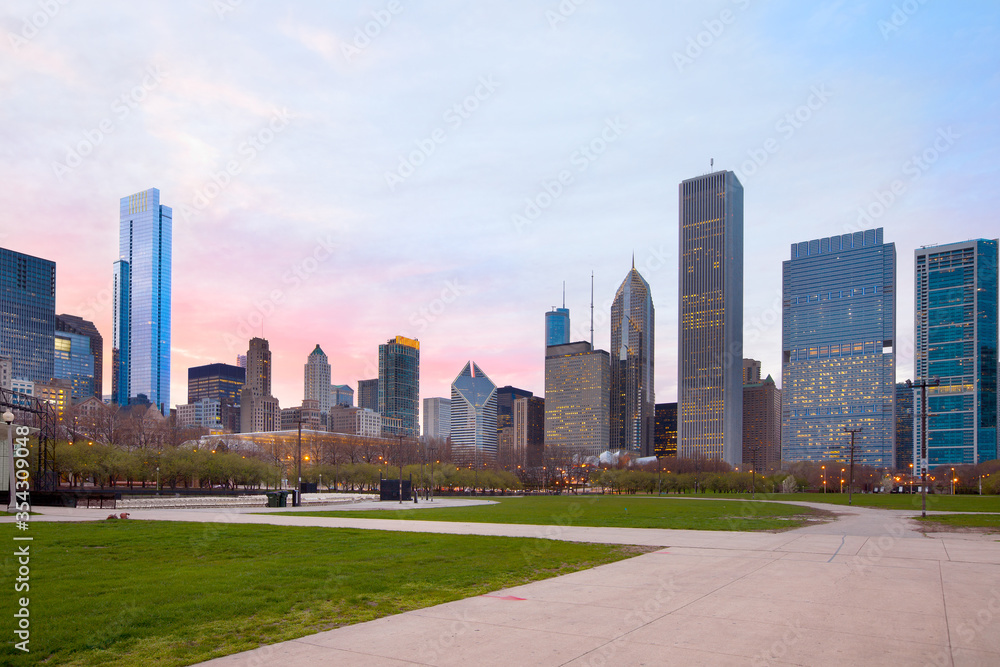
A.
x: 952, y: 481
x: 850, y: 483
x: 8, y: 419
x: 923, y: 384
x: 824, y: 478
x: 841, y: 480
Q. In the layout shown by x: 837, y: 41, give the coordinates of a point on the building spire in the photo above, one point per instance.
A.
x: 591, y: 310
x: 564, y: 294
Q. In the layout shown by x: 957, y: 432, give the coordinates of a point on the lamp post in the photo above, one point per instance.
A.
x: 399, y: 453
x: 850, y: 481
x: 298, y: 490
x: 8, y: 419
x: 923, y: 384
x: 824, y: 478
x: 157, y: 480
x: 952, y: 481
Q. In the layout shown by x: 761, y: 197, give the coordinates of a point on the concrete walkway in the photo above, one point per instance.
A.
x: 865, y: 589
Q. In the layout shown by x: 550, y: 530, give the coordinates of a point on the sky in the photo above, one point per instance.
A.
x: 342, y: 173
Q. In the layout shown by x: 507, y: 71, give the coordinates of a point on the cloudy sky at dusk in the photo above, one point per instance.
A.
x: 344, y: 172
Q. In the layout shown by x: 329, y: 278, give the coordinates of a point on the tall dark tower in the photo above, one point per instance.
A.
x: 633, y: 408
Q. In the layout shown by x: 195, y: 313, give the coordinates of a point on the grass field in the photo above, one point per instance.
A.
x: 897, y: 501
x: 597, y: 510
x: 989, y: 521
x: 165, y: 593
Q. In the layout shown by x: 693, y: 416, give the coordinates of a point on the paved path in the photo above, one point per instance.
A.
x: 866, y: 589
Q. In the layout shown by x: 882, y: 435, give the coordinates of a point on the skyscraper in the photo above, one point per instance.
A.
x: 437, y: 417
x: 27, y: 314
x: 399, y: 386
x: 761, y: 421
x: 905, y: 456
x: 142, y: 283
x: 577, y: 400
x: 73, y: 361
x: 473, y: 417
x: 710, y: 338
x: 78, y: 325
x: 956, y: 341
x: 633, y: 408
x: 317, y: 380
x: 368, y: 394
x: 259, y: 411
x: 529, y: 431
x: 838, y: 338
x: 666, y: 430
x: 557, y: 326
x: 505, y: 404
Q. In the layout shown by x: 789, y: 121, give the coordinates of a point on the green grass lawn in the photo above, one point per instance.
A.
x: 598, y: 510
x: 897, y: 501
x: 165, y: 593
x: 963, y: 521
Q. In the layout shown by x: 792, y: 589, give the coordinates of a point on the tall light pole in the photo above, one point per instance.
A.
x: 952, y: 481
x: 824, y: 479
x: 298, y: 490
x: 850, y: 482
x: 399, y: 453
x: 8, y: 419
x: 923, y: 384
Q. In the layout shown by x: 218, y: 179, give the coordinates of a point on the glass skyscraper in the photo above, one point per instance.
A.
x: 27, y: 315
x: 838, y: 338
x: 557, y: 326
x: 74, y: 361
x: 710, y: 340
x: 473, y: 416
x: 577, y: 400
x: 955, y: 340
x: 399, y: 386
x: 142, y: 282
x: 633, y: 408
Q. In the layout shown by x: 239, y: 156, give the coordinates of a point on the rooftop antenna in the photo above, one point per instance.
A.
x: 711, y: 163
x: 591, y: 310
x: 564, y: 294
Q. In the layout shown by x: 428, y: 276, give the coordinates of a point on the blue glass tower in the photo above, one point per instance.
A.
x: 955, y: 340
x: 74, y: 361
x: 838, y: 349
x: 27, y: 314
x: 142, y: 300
x: 557, y: 326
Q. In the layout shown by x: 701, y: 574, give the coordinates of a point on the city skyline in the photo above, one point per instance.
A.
x: 833, y: 131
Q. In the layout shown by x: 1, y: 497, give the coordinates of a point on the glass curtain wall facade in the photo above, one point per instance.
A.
x: 956, y: 341
x: 368, y: 394
x: 557, y: 326
x: 399, y: 386
x: 838, y: 349
x: 142, y: 282
x: 473, y: 417
x: 710, y: 322
x: 73, y: 361
x: 633, y: 408
x: 904, y: 428
x: 27, y: 314
x: 78, y: 325
x: 437, y: 417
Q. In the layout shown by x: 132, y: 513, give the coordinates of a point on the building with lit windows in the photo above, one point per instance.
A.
x: 905, y: 456
x: 73, y: 361
x: 529, y: 431
x: 473, y: 417
x: 505, y: 404
x: 259, y: 410
x: 399, y: 386
x: 577, y: 400
x: 710, y: 321
x: 27, y: 314
x: 665, y: 438
x: 206, y: 413
x: 221, y: 383
x: 437, y: 417
x: 838, y: 339
x: 633, y: 405
x: 761, y: 420
x: 82, y: 327
x: 142, y: 284
x: 955, y: 340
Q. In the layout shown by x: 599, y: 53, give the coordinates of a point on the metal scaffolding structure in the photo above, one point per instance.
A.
x: 30, y: 411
